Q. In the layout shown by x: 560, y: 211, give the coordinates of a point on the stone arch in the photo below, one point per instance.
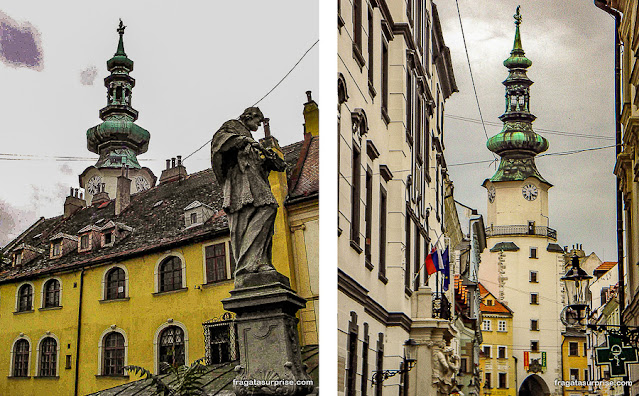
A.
x: 534, y: 385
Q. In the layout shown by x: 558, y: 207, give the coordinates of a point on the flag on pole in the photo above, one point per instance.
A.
x: 431, y: 268
x: 446, y: 266
x: 437, y: 259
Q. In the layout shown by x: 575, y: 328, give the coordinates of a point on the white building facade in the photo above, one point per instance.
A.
x: 523, y: 264
x: 394, y: 76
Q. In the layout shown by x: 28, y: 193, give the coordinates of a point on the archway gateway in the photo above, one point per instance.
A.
x: 533, y: 385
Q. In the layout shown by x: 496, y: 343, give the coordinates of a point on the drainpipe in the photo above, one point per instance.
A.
x: 603, y: 5
x: 77, y: 346
x: 516, y: 386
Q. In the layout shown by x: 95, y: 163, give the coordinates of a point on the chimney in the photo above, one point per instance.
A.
x: 73, y: 203
x: 101, y: 196
x: 311, y: 116
x: 122, y: 191
x: 175, y: 170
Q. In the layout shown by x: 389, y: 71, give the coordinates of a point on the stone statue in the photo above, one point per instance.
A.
x: 241, y: 166
x: 446, y: 365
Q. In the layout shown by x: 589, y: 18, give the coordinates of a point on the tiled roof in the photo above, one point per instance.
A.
x: 218, y: 379
x: 497, y: 307
x: 304, y: 180
x: 156, y: 216
x: 605, y: 266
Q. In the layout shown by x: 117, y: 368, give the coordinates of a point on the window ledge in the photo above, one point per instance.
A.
x: 371, y: 89
x: 12, y: 377
x: 23, y: 312
x: 368, y: 264
x: 53, y: 377
x: 183, y: 289
x: 114, y: 300
x: 382, y: 278
x: 215, y: 283
x: 355, y: 245
x: 357, y: 55
x: 385, y: 116
x: 125, y: 376
x: 50, y: 308
x: 408, y: 291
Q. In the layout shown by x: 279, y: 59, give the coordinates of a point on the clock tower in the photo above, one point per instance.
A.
x: 524, y: 261
x: 117, y: 140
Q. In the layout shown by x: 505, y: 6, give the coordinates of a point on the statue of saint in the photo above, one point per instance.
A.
x: 241, y: 166
x: 446, y: 364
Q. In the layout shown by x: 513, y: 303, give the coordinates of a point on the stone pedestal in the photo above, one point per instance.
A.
x: 270, y: 360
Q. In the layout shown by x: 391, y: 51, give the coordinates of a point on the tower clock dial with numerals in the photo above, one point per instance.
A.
x: 529, y: 192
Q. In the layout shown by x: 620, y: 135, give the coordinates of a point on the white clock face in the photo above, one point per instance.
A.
x: 93, y: 185
x: 529, y: 192
x: 141, y: 183
x: 491, y: 194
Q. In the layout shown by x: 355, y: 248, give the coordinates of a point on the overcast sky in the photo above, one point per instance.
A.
x: 197, y: 64
x: 571, y: 45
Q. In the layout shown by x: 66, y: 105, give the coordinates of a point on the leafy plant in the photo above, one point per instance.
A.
x: 181, y: 380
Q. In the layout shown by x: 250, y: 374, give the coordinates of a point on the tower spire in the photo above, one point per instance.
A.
x: 118, y: 140
x: 517, y: 144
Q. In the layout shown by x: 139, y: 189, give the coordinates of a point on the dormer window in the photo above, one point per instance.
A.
x: 17, y: 258
x: 62, y: 244
x: 197, y: 213
x: 84, y: 242
x: 108, y: 238
x: 23, y: 254
x: 57, y: 249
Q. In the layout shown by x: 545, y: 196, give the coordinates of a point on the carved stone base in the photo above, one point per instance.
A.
x: 270, y: 360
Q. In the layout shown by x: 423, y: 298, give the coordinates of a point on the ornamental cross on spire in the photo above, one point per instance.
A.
x: 122, y: 27
x: 517, y: 17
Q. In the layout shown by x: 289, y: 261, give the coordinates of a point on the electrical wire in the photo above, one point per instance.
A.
x: 472, y: 79
x: 263, y: 97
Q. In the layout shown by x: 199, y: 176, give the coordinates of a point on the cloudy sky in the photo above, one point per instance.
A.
x: 571, y: 45
x: 197, y: 64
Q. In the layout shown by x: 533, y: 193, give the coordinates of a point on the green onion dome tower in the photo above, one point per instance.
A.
x: 517, y: 144
x: 118, y: 140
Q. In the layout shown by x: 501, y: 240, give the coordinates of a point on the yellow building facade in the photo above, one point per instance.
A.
x: 496, y: 362
x: 138, y: 279
x: 574, y: 352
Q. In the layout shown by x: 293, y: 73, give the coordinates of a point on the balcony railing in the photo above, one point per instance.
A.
x: 521, y: 230
x: 441, y: 306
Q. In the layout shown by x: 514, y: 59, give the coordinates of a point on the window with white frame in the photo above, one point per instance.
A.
x: 501, y: 325
x: 20, y: 360
x: 487, y: 351
x: 485, y: 325
x: 48, y: 357
x: 502, y: 352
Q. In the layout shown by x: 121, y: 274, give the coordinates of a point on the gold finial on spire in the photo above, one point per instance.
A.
x: 121, y: 27
x: 517, y: 16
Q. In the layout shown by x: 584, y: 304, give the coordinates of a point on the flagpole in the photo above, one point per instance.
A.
x: 424, y: 263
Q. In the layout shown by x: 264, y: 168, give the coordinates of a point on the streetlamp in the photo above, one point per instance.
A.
x: 410, y: 358
x: 576, y: 281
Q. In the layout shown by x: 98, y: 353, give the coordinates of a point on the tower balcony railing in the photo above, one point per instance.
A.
x: 521, y: 230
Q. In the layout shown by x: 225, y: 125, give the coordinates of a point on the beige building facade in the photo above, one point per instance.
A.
x: 394, y: 76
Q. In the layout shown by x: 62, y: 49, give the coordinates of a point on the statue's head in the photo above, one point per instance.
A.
x: 252, y: 118
x: 449, y: 350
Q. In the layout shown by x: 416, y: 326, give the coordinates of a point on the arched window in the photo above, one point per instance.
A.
x: 171, y: 347
x: 25, y: 298
x: 115, y: 284
x: 113, y: 354
x: 48, y: 357
x: 21, y: 358
x: 170, y: 274
x: 52, y: 293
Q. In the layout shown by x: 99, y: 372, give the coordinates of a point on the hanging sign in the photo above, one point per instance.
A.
x: 543, y: 360
x: 526, y: 360
x: 616, y: 356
